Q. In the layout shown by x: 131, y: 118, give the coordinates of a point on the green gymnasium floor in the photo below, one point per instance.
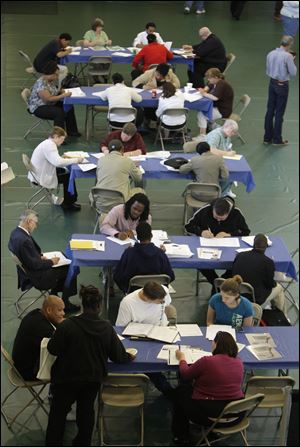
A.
x: 271, y: 208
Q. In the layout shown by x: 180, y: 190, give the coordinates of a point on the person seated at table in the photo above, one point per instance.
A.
x: 144, y: 258
x: 131, y: 139
x: 96, y: 36
x: 218, y: 219
x: 117, y: 172
x: 208, y: 168
x: 122, y: 220
x: 46, y: 102
x: 53, y: 51
x: 209, y: 385
x: 153, y: 53
x: 229, y: 307
x: 141, y: 39
x: 36, y: 325
x: 39, y: 269
x: 171, y: 99
x: 51, y: 168
x: 119, y: 95
x: 219, y: 91
x: 258, y: 270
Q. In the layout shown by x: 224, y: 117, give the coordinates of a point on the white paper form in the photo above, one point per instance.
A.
x: 62, y: 259
x: 261, y: 338
x: 241, y: 250
x: 76, y: 154
x: 264, y: 352
x: 138, y: 158
x: 212, y: 330
x: 219, y: 242
x: 117, y: 53
x: 87, y: 166
x: 178, y: 251
x: 209, y: 253
x: 98, y: 155
x: 118, y: 241
x: 158, y: 154
x: 191, y: 97
x: 189, y: 330
x: 233, y: 157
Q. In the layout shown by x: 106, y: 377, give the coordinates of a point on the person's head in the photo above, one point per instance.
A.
x: 204, y: 33
x: 58, y: 135
x: 53, y: 309
x: 117, y: 78
x: 151, y: 38
x: 97, y: 24
x: 150, y: 28
x: 213, y: 75
x: 161, y: 71
x: 65, y: 39
x: 115, y: 145
x: 91, y: 299
x: 260, y: 242
x: 168, y: 89
x: 230, y: 128
x: 144, y: 232
x: 230, y: 290
x: 51, y: 70
x: 224, y: 343
x: 29, y: 220
x: 287, y: 42
x: 221, y: 208
x: 137, y: 207
x: 202, y: 147
x: 154, y: 292
x: 128, y: 131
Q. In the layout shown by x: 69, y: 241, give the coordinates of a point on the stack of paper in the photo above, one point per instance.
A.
x: 189, y: 330
x: 250, y: 240
x: 162, y: 333
x: 75, y: 92
x: 262, y: 346
x: 97, y: 48
x: 159, y: 237
x: 76, y: 154
x: 233, y: 157
x: 192, y: 354
x: 212, y: 330
x: 120, y: 242
x: 219, y: 242
x: 178, y: 251
x: 87, y: 166
x: 87, y: 244
x: 191, y: 97
x: 158, y: 154
x: 209, y: 253
x: 57, y: 254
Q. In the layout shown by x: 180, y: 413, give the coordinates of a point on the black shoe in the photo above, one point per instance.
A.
x: 282, y: 143
x: 180, y: 441
x: 71, y: 308
x: 71, y: 207
x: 74, y: 134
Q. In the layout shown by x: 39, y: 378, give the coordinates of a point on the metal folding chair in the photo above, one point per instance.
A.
x: 103, y: 200
x: 25, y: 94
x: 47, y: 194
x: 230, y: 59
x: 125, y: 112
x: 30, y: 69
x: 161, y: 126
x: 99, y: 66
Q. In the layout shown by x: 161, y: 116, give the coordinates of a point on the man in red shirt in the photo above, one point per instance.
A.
x: 153, y: 53
x: 132, y: 141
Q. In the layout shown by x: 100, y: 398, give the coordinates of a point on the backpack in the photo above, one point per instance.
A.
x: 70, y: 81
x: 176, y: 162
x: 274, y: 317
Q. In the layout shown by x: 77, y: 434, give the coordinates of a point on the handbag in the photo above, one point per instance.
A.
x: 274, y: 317
x: 46, y: 361
x: 70, y: 81
x: 176, y: 162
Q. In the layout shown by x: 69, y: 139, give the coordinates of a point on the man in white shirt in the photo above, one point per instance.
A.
x: 146, y: 305
x: 119, y: 95
x: 141, y: 39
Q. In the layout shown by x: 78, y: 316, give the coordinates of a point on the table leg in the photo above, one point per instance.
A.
x: 86, y: 126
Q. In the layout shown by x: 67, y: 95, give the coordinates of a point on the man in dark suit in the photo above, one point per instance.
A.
x: 39, y: 271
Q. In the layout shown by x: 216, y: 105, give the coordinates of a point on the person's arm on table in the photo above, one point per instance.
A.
x: 211, y: 315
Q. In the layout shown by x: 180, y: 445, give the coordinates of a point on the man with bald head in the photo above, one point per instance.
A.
x: 36, y: 325
x: 210, y: 53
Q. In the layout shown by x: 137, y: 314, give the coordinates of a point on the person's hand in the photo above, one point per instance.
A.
x: 179, y: 355
x: 223, y: 234
x: 44, y: 258
x: 207, y: 234
x: 130, y: 234
x: 80, y: 159
x: 187, y: 47
x: 231, y: 153
x: 109, y: 42
x: 162, y: 247
x: 201, y: 90
x: 122, y: 235
x: 64, y: 94
x: 55, y: 260
x: 140, y: 45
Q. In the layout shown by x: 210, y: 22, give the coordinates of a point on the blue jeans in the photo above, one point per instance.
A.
x: 277, y: 100
x: 225, y: 186
x: 199, y: 5
x: 290, y: 26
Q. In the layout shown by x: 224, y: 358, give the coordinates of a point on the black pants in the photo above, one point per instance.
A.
x: 54, y: 279
x: 136, y: 73
x: 211, y: 275
x: 56, y: 113
x: 63, y: 177
x: 138, y: 121
x: 236, y: 9
x: 149, y: 113
x: 64, y: 395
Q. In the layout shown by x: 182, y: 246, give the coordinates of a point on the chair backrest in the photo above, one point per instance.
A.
x: 140, y: 280
x: 17, y: 261
x: 105, y: 199
x: 243, y: 407
x: 274, y: 389
x: 204, y: 192
x: 242, y: 105
x: 175, y: 112
x: 99, y: 65
x: 126, y: 384
x: 257, y: 314
x: 245, y: 288
x: 26, y: 58
x: 123, y: 111
x: 13, y: 373
x: 25, y: 94
x: 230, y: 59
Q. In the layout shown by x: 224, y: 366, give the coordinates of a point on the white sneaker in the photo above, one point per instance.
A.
x: 187, y: 10
x: 231, y: 194
x: 200, y: 11
x: 56, y: 200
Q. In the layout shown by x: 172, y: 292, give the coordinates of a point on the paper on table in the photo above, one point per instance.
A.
x: 219, y: 242
x: 233, y: 157
x: 62, y: 259
x: 73, y: 49
x: 188, y: 55
x: 117, y: 53
x: 264, y: 352
x: 75, y: 53
x: 261, y: 338
x: 76, y: 92
x: 98, y: 93
x: 241, y: 250
x: 98, y: 155
x: 76, y: 154
x: 118, y: 241
x: 192, y: 354
x: 120, y: 337
x: 191, y: 97
x: 138, y: 158
x: 87, y: 166
x: 114, y: 48
x: 250, y: 240
x: 240, y: 346
x: 164, y: 352
x: 178, y: 251
x: 160, y: 234
x: 136, y: 49
x: 138, y: 90
x: 158, y: 154
x: 209, y: 253
x: 189, y: 330
x: 212, y: 330
x: 97, y: 48
x: 142, y: 169
x: 179, y: 51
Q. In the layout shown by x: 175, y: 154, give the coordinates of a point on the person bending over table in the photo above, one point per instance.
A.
x: 96, y: 35
x: 212, y: 382
x: 131, y: 139
x: 220, y: 218
x: 141, y: 39
x: 144, y: 258
x: 229, y: 307
x: 148, y: 306
x: 46, y: 102
x: 208, y: 168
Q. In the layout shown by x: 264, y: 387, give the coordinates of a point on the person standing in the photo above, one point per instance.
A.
x: 236, y: 9
x: 199, y: 7
x: 82, y: 345
x: 289, y: 14
x: 280, y: 66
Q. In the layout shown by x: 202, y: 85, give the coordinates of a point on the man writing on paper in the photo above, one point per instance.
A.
x: 141, y: 39
x: 39, y: 271
x: 131, y: 139
x: 218, y: 219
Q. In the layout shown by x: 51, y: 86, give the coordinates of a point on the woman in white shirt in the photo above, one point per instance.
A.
x: 171, y: 99
x: 49, y: 168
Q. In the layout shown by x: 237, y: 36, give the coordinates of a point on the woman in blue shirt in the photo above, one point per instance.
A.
x: 229, y: 307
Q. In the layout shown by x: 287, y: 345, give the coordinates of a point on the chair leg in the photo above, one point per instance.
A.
x: 197, y: 283
x: 161, y: 140
x: 19, y: 314
x: 32, y: 128
x: 242, y: 139
x: 243, y: 434
x: 47, y: 195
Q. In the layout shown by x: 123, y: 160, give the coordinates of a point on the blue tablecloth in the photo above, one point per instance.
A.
x: 239, y: 171
x: 286, y: 340
x: 85, y: 55
x: 113, y: 252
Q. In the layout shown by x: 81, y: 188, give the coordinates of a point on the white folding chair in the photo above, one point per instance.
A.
x: 30, y: 69
x: 25, y: 94
x: 126, y: 114
x: 164, y: 127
